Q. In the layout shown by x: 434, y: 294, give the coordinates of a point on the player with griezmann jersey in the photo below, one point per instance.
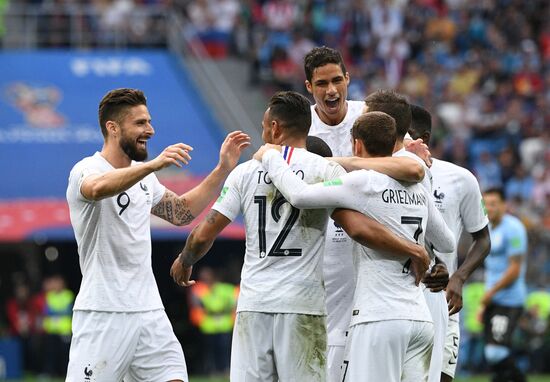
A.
x: 332, y: 117
x: 280, y: 328
x: 389, y: 313
x: 505, y: 288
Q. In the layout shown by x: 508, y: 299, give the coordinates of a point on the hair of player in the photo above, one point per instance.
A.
x: 317, y: 146
x: 496, y: 191
x: 321, y: 56
x: 115, y: 103
x: 395, y: 105
x: 421, y: 120
x: 377, y: 131
x: 292, y: 111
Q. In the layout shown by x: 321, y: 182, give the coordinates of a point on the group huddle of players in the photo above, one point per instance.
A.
x: 350, y: 271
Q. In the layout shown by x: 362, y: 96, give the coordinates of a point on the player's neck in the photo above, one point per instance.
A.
x: 496, y: 221
x: 115, y: 156
x: 398, y: 145
x: 293, y: 142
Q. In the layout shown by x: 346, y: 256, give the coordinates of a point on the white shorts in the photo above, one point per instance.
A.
x: 437, y: 304
x: 109, y: 346
x: 452, y: 343
x: 278, y: 347
x: 335, y: 357
x: 389, y: 351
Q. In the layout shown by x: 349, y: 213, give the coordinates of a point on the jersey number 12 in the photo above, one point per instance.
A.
x: 276, y: 249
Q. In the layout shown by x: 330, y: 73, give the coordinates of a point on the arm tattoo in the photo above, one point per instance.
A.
x: 173, y: 209
x: 211, y: 216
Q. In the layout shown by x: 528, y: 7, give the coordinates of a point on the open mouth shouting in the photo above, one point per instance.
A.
x: 332, y: 105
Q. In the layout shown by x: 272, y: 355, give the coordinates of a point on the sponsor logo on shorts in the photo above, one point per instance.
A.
x: 356, y: 312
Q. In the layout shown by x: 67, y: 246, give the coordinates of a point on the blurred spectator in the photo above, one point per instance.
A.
x: 212, y: 310
x: 534, y: 325
x: 57, y: 325
x: 471, y: 349
x: 25, y: 314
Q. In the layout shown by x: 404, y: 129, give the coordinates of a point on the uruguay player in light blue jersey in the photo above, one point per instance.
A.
x: 505, y: 286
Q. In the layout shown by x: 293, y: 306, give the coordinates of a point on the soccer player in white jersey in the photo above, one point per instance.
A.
x: 332, y: 117
x: 120, y: 329
x: 398, y: 107
x: 280, y: 328
x: 458, y: 197
x: 391, y: 327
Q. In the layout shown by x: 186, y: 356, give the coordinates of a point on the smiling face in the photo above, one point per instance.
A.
x: 135, y: 130
x: 329, y: 87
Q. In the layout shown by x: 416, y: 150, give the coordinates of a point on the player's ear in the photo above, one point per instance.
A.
x: 347, y: 77
x: 276, y: 130
x: 308, y: 87
x: 112, y: 128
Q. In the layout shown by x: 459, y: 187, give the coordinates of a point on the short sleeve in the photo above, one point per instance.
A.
x: 517, y: 239
x: 472, y: 209
x: 78, y: 175
x: 158, y: 189
x: 229, y: 201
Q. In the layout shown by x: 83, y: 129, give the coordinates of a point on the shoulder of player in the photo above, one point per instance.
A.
x: 90, y: 162
x: 513, y: 223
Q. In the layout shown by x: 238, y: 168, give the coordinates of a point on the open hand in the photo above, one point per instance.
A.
x: 172, y: 155
x: 258, y: 155
x: 232, y: 148
x: 419, y: 148
x: 181, y: 273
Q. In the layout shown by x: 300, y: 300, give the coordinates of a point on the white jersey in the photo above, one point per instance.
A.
x: 386, y: 290
x: 338, y: 137
x: 338, y: 266
x: 114, y: 242
x: 427, y: 181
x: 458, y: 197
x: 282, y: 270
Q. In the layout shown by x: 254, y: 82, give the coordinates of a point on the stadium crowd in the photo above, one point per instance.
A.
x: 483, y: 67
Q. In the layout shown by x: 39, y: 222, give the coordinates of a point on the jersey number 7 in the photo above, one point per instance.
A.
x: 276, y: 249
x: 415, y: 221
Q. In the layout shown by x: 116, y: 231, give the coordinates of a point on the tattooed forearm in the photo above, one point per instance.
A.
x: 188, y: 259
x: 173, y: 209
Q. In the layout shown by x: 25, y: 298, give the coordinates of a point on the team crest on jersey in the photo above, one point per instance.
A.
x: 339, y: 234
x: 87, y: 373
x: 438, y: 198
x: 144, y: 188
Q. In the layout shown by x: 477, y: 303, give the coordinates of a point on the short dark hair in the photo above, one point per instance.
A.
x: 421, y: 122
x: 317, y: 146
x: 292, y: 110
x: 377, y: 132
x: 497, y: 191
x: 115, y: 103
x: 395, y: 105
x: 321, y: 56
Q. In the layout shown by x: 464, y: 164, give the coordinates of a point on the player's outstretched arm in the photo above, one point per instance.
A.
x: 100, y: 186
x: 370, y: 233
x: 399, y: 168
x: 477, y: 253
x: 198, y: 243
x: 182, y: 209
